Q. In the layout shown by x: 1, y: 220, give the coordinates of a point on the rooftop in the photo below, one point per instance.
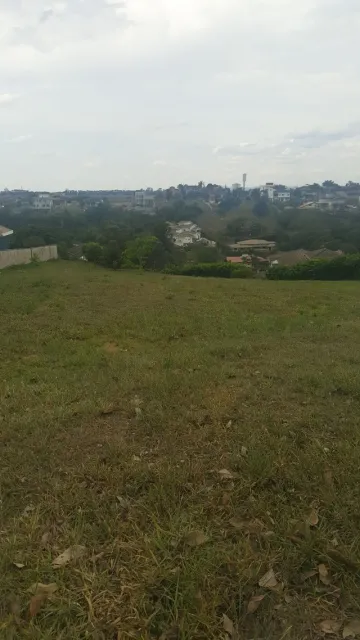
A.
x: 4, y: 231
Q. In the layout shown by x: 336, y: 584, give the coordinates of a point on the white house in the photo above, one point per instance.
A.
x: 144, y: 201
x: 43, y: 202
x: 282, y: 196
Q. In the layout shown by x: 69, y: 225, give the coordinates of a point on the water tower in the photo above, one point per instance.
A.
x: 244, y: 180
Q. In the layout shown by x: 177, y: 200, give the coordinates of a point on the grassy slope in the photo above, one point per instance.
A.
x: 217, y: 365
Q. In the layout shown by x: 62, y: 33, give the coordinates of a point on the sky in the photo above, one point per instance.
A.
x: 101, y: 94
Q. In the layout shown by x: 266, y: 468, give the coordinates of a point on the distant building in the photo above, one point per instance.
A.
x: 268, y: 190
x: 5, y: 237
x: 236, y: 186
x: 274, y: 192
x: 43, y: 202
x: 144, y: 201
x: 282, y: 196
x: 185, y: 233
x: 290, y: 258
x: 255, y: 245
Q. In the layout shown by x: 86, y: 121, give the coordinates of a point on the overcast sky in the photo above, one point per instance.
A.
x: 136, y: 93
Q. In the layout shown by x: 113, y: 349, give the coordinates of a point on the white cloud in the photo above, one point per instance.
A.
x: 22, y: 138
x: 217, y: 87
x: 7, y: 98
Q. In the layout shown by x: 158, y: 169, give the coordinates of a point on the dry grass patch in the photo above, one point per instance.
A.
x: 202, y: 482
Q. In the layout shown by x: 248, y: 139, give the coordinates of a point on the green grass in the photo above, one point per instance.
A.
x: 122, y: 396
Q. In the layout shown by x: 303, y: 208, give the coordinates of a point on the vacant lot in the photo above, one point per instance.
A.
x: 182, y: 437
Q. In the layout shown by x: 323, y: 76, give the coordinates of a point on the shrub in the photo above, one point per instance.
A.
x: 342, y: 268
x: 211, y: 270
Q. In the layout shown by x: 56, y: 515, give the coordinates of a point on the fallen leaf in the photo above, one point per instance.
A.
x: 41, y: 593
x: 136, y: 459
x: 229, y: 424
x: 28, y: 510
x: 335, y: 542
x: 36, y: 603
x: 351, y: 629
x: 251, y: 526
x: 328, y: 477
x: 71, y: 554
x: 171, y: 634
x: 324, y: 574
x: 225, y: 499
x: 254, y: 603
x: 329, y: 626
x: 45, y: 538
x: 287, y: 598
x: 228, y: 625
x: 195, y: 538
x: 308, y: 574
x: 268, y: 581
x: 138, y: 412
x: 244, y: 451
x: 19, y: 565
x: 313, y: 518
x: 226, y: 475
x: 38, y: 588
x: 122, y: 502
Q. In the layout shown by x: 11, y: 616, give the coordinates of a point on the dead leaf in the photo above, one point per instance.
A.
x: 328, y: 477
x: 171, y: 634
x: 308, y: 574
x: 228, y: 625
x: 244, y: 451
x: 45, y: 538
x: 254, y: 603
x: 41, y: 593
x: 19, y: 565
x: 38, y: 588
x: 136, y: 459
x: 225, y: 499
x: 28, y: 510
x: 229, y: 424
x: 36, y: 603
x: 226, y: 475
x: 329, y: 626
x: 195, y: 538
x: 324, y: 574
x: 287, y: 598
x: 268, y: 581
x: 313, y: 518
x: 352, y: 629
x: 138, y: 412
x: 123, y: 502
x: 250, y: 526
x: 71, y: 554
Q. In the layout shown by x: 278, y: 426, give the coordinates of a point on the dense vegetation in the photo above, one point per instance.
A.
x: 211, y: 269
x: 128, y: 237
x: 342, y: 268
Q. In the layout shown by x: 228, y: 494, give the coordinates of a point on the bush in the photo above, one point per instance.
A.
x: 342, y: 268
x: 211, y: 270
x: 93, y: 252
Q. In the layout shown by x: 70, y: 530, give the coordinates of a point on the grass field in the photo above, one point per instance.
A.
x: 182, y: 437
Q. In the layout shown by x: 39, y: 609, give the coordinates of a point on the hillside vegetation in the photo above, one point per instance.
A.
x: 186, y: 439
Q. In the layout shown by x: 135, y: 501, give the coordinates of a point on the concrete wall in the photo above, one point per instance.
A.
x: 24, y: 256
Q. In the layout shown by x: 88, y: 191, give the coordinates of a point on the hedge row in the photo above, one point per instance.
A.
x: 342, y: 268
x: 211, y: 270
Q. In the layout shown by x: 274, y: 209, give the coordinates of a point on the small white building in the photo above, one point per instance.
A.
x: 144, y: 201
x: 43, y: 202
x: 268, y: 190
x: 282, y: 196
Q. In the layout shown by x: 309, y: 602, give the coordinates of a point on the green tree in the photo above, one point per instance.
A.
x: 145, y: 252
x: 93, y: 252
x: 261, y: 208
